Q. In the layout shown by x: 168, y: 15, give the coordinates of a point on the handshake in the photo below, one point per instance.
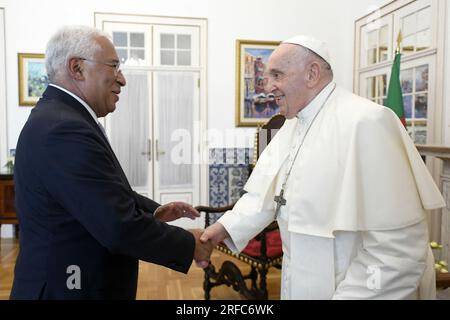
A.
x: 205, y: 240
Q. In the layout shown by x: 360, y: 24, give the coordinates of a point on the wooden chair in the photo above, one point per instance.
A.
x: 261, y: 253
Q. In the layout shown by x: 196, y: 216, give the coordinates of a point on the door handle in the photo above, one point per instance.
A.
x: 149, y: 150
x: 158, y: 152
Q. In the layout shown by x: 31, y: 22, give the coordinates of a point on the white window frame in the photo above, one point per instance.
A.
x: 396, y: 10
x: 136, y: 28
x: 377, y: 25
x: 195, y: 46
x: 371, y: 73
x: 411, y: 8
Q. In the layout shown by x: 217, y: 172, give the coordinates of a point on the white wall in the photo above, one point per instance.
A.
x: 29, y: 24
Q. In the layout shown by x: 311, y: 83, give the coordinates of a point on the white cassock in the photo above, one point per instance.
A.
x: 354, y: 225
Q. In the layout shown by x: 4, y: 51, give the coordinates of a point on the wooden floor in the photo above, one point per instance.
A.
x: 155, y: 282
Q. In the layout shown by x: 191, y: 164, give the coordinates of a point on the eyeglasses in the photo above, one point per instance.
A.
x: 115, y: 65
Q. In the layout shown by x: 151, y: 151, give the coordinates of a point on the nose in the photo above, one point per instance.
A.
x: 121, y: 78
x: 268, y: 85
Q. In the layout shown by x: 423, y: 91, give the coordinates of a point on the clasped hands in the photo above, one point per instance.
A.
x: 205, y: 240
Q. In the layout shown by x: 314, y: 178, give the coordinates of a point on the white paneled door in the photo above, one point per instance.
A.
x: 156, y: 127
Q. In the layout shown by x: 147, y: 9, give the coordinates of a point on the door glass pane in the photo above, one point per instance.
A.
x: 370, y: 88
x: 129, y: 128
x: 407, y: 104
x: 372, y: 47
x: 408, y: 44
x: 184, y: 58
x: 382, y: 53
x: 137, y: 40
x: 406, y: 78
x: 372, y: 56
x: 420, y: 106
x: 167, y: 41
x: 382, y: 85
x: 175, y: 110
x: 420, y: 134
x: 137, y: 54
x: 409, y: 129
x: 424, y: 19
x: 123, y: 55
x: 373, y: 40
x: 184, y: 41
x: 423, y: 40
x: 120, y: 39
x: 383, y: 44
x: 409, y: 24
x: 383, y: 35
x: 167, y: 57
x: 422, y: 78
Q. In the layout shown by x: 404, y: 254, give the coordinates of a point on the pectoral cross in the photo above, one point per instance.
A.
x: 281, y: 201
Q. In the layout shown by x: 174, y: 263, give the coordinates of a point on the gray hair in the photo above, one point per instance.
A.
x: 68, y: 42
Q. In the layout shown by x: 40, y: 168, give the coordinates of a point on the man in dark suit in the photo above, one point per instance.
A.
x: 83, y: 229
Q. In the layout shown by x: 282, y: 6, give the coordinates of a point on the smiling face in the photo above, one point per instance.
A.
x: 286, y: 79
x: 102, y: 83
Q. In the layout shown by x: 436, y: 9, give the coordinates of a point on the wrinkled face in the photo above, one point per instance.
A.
x: 103, y: 82
x: 286, y: 79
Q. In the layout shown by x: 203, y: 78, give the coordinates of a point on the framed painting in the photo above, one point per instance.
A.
x: 253, y: 105
x: 32, y: 78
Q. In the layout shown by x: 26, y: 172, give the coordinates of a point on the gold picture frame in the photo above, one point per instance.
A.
x: 253, y: 106
x: 33, y: 78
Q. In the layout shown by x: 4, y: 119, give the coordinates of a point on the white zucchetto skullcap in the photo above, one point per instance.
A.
x: 317, y: 46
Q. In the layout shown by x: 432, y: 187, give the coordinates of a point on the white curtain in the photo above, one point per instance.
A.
x: 129, y: 129
x: 175, y: 105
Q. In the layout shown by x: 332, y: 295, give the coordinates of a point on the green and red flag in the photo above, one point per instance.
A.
x: 394, y: 95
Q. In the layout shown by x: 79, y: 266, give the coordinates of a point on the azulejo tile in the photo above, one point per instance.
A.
x: 227, y: 178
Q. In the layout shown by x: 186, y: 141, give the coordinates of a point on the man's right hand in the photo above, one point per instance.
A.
x: 203, y: 249
x: 214, y: 233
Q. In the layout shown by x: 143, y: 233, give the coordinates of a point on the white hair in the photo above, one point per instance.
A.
x: 307, y: 55
x: 68, y: 42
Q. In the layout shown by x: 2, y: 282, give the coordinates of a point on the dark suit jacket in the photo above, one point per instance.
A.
x: 76, y: 208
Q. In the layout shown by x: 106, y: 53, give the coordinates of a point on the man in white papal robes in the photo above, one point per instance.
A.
x: 345, y: 184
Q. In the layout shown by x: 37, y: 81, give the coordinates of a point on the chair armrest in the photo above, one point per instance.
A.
x: 214, y: 209
x: 208, y: 210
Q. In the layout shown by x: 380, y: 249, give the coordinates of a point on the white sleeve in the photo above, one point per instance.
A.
x: 246, y: 220
x: 388, y: 265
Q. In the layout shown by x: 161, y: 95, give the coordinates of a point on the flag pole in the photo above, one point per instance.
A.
x: 399, y: 41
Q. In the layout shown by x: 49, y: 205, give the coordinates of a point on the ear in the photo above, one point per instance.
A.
x: 75, y: 68
x: 313, y: 74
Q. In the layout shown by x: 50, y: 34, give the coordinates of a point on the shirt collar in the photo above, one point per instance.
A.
x: 85, y: 105
x: 314, y: 106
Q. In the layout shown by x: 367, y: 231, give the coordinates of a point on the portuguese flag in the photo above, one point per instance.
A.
x: 394, y: 96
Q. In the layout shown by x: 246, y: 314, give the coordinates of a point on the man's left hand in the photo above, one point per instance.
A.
x: 175, y: 210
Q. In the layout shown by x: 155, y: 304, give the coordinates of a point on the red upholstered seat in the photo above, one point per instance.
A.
x: 273, y: 243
